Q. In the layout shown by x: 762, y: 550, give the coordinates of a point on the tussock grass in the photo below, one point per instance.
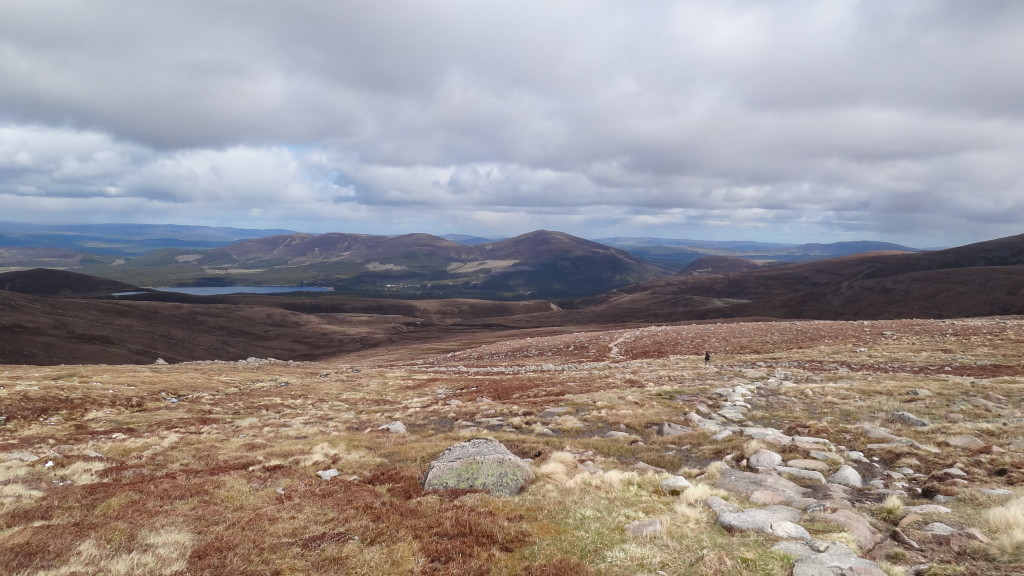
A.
x: 1006, y: 522
x: 558, y: 470
x: 891, y: 509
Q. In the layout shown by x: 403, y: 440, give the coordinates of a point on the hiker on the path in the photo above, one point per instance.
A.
x: 707, y: 358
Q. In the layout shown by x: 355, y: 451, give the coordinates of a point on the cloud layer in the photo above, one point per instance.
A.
x: 790, y: 120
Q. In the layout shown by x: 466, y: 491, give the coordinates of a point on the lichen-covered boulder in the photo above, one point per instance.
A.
x: 480, y: 463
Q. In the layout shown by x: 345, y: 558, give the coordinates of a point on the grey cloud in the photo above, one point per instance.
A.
x: 779, y: 118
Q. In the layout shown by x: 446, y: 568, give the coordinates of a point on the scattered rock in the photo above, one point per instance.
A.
x: 555, y: 411
x: 23, y: 456
x: 964, y: 441
x: 721, y: 435
x: 775, y: 520
x: 857, y: 525
x: 919, y: 392
x: 928, y: 509
x: 160, y: 362
x: 328, y: 474
x: 800, y: 476
x: 642, y: 528
x: 939, y: 528
x: 908, y: 418
x: 482, y: 463
x: 675, y: 485
x: 747, y: 483
x: 997, y: 492
x: 764, y: 459
x: 617, y: 434
x: 846, y: 476
x: 836, y: 559
x: 670, y: 429
x: 807, y: 464
x: 395, y: 427
x: 720, y: 506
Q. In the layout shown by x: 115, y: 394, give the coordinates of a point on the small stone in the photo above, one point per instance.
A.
x: 828, y: 457
x: 800, y: 476
x: 160, y: 362
x: 908, y: 418
x: 23, y: 456
x: 928, y: 509
x: 846, y: 476
x: 328, y: 474
x: 964, y: 441
x: 997, y: 492
x: 919, y: 392
x: 721, y: 435
x: 939, y: 528
x: 555, y: 411
x: 395, y: 427
x: 720, y: 506
x: 953, y: 472
x: 670, y: 429
x: 674, y: 485
x: 764, y: 459
x: 943, y: 499
x: 642, y: 528
x: 808, y: 464
x: 617, y: 434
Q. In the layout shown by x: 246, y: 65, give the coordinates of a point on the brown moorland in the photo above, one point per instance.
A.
x: 210, y: 467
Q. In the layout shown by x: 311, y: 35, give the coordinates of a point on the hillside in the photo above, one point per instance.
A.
x: 540, y: 264
x: 50, y: 282
x: 59, y: 317
x: 678, y: 254
x: 986, y: 278
x: 892, y: 444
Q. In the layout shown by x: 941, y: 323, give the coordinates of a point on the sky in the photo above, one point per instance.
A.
x: 782, y: 121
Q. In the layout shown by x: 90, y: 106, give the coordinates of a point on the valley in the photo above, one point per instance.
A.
x: 867, y: 408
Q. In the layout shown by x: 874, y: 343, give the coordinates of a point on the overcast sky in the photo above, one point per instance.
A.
x: 792, y: 121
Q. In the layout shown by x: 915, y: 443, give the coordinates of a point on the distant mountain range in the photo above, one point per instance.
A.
x: 981, y: 279
x: 678, y: 254
x: 53, y: 316
x: 117, y: 239
x: 540, y: 264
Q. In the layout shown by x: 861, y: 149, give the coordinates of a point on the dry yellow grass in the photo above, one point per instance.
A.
x: 1006, y: 522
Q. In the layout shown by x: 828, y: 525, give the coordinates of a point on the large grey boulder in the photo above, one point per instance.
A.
x: 764, y: 459
x: 775, y: 520
x: 747, y: 484
x: 800, y: 475
x: 480, y: 463
x: 856, y: 524
x: 847, y: 476
x: 836, y: 559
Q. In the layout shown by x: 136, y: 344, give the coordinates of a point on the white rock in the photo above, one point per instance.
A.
x: 328, y: 474
x: 846, y: 476
x: 674, y: 485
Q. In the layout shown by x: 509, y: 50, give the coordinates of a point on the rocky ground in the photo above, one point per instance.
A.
x: 863, y: 446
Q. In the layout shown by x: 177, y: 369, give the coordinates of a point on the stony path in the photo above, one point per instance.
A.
x: 824, y: 486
